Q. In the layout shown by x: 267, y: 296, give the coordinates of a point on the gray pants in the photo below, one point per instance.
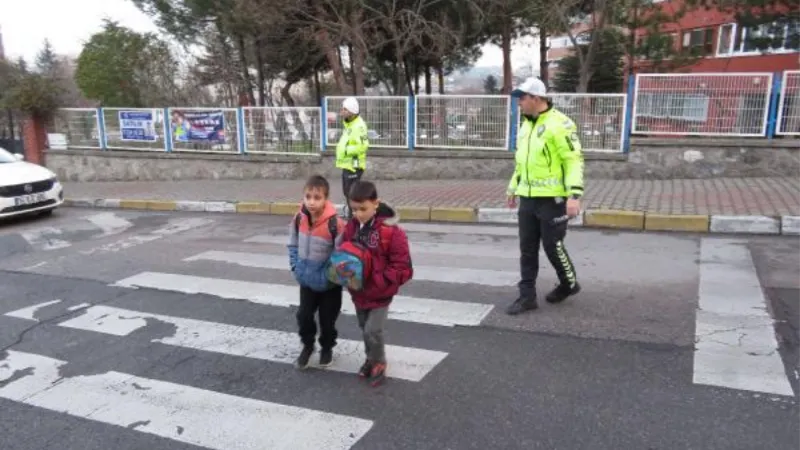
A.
x: 371, y: 322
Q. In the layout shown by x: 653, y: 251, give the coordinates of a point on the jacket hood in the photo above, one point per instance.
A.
x: 387, y: 214
x: 327, y: 213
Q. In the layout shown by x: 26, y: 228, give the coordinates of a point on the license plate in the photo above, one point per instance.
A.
x: 29, y: 199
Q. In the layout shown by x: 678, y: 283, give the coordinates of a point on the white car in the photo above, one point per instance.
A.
x: 27, y: 188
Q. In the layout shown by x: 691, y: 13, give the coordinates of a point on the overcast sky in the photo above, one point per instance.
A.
x: 25, y: 25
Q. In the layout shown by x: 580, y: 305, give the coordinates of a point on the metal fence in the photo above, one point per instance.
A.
x: 387, y: 118
x: 227, y: 141
x: 282, y: 130
x: 788, y: 121
x: 114, y: 138
x: 600, y: 119
x: 478, y: 122
x: 79, y: 126
x: 708, y: 104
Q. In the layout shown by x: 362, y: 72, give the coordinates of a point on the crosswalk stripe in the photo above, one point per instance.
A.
x: 428, y: 273
x: 182, y: 413
x: 408, y: 309
x: 109, y: 222
x: 461, y: 229
x: 42, y: 238
x: 407, y: 363
x: 735, y: 336
x: 436, y: 248
x: 30, y: 311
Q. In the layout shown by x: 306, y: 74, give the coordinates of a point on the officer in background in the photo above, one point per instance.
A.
x: 548, y: 179
x: 351, y: 151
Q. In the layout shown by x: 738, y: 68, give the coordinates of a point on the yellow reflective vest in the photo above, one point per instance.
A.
x: 351, y: 151
x: 549, y: 157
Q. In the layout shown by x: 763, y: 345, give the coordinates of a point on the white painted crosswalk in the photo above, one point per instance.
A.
x: 187, y: 414
x: 184, y: 413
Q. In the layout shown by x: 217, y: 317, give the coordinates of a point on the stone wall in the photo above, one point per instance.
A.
x: 649, y: 158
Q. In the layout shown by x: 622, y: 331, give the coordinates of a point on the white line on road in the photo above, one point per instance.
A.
x: 109, y: 222
x: 408, y: 309
x: 436, y: 248
x: 457, y: 275
x: 182, y: 413
x: 407, y: 363
x: 735, y: 336
x: 461, y: 229
x: 38, y: 238
x: 30, y: 312
x: 174, y: 226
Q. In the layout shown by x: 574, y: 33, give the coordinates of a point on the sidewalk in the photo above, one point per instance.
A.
x: 772, y: 197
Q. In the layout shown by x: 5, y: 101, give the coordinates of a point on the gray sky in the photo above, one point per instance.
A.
x: 68, y: 23
x: 26, y: 23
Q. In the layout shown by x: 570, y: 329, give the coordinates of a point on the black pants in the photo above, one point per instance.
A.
x: 348, y: 178
x: 536, y: 224
x: 329, y: 305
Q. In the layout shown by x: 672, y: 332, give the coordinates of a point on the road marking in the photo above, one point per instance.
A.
x: 182, y: 413
x: 174, y: 226
x: 735, y: 336
x: 461, y: 229
x: 38, y: 238
x: 408, y: 309
x: 30, y: 311
x: 427, y: 273
x: 110, y: 223
x: 408, y: 363
x: 492, y: 250
x: 77, y: 307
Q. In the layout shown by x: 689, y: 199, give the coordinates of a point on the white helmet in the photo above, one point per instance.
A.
x: 350, y: 104
x: 532, y: 86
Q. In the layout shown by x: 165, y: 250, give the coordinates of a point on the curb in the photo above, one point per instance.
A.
x: 597, y: 218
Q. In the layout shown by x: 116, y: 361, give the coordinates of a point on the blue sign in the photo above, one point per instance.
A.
x: 198, y: 126
x: 137, y: 126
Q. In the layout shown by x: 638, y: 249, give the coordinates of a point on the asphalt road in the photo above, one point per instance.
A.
x: 132, y: 330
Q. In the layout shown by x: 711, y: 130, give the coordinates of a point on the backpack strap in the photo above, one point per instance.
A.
x: 333, y: 225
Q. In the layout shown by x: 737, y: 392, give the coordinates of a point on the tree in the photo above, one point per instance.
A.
x: 490, y: 85
x: 607, y: 76
x: 120, y: 67
x: 35, y: 95
x: 46, y: 60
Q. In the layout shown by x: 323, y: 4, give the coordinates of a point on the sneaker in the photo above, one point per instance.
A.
x: 561, y: 292
x: 378, y: 374
x: 365, y: 369
x: 521, y: 305
x: 305, y: 355
x: 325, y: 357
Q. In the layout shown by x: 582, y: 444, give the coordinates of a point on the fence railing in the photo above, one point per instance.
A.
x: 707, y: 104
x: 788, y: 120
x: 702, y: 104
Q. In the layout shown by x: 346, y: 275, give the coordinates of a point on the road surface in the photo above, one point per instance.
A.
x: 132, y: 330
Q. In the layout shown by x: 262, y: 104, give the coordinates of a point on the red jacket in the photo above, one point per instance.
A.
x: 391, y: 264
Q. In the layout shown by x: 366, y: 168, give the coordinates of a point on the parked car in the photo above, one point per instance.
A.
x: 27, y: 188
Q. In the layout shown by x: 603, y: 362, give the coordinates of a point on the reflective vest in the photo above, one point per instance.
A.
x: 351, y: 151
x: 549, y: 157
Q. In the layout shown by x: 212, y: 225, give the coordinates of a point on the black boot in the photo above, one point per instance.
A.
x: 521, y: 305
x: 302, y: 361
x: 561, y: 292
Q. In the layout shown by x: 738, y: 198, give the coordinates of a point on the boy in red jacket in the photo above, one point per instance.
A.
x: 374, y: 226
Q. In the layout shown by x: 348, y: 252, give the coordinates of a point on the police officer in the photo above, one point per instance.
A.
x: 548, y: 179
x: 351, y: 151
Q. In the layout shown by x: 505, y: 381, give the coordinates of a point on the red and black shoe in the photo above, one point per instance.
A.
x: 365, y: 369
x: 378, y: 374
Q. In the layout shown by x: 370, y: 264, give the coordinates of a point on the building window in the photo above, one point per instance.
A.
x: 726, y: 38
x: 767, y: 38
x: 699, y: 41
x: 673, y: 105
